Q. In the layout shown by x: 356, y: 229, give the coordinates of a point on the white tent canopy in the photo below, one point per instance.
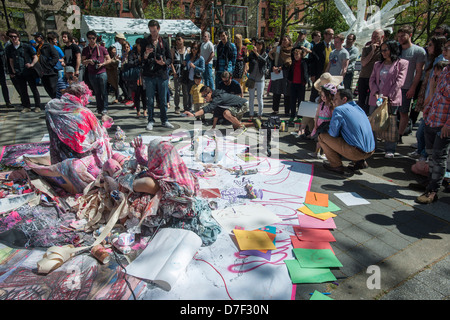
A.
x: 134, y: 28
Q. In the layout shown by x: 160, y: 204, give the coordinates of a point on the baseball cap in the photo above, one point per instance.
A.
x: 38, y: 34
x: 70, y: 69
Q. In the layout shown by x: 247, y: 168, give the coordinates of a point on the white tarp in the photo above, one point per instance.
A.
x: 134, y: 28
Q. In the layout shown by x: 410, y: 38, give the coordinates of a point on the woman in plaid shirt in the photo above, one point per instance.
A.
x: 437, y: 132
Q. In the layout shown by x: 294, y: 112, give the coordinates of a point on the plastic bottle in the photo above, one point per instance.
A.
x: 380, y: 100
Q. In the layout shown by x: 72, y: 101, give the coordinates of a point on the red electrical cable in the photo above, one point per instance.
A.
x: 226, y: 288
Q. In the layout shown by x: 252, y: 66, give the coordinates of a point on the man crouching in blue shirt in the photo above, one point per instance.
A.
x: 349, y: 135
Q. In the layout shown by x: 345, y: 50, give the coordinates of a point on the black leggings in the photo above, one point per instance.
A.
x: 139, y: 94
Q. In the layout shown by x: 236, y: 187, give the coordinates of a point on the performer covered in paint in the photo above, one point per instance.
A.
x: 79, y: 143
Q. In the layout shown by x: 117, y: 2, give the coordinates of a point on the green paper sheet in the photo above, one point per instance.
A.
x: 319, y: 296
x: 316, y: 258
x: 308, y: 275
x: 318, y: 209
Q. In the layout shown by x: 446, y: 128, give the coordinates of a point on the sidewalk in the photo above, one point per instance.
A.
x: 409, y: 243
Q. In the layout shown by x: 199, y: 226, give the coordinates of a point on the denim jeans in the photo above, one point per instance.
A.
x: 208, y: 76
x: 178, y: 86
x: 99, y: 83
x: 153, y: 84
x: 438, y: 147
x: 420, y: 136
x: 259, y: 89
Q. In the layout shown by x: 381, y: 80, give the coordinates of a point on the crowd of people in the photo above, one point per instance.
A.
x: 213, y: 78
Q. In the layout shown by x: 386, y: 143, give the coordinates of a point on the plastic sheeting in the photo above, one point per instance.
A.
x: 379, y: 18
x: 107, y: 27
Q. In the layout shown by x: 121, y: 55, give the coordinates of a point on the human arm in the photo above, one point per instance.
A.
x: 139, y: 151
x: 77, y: 63
x: 368, y: 53
x: 417, y: 76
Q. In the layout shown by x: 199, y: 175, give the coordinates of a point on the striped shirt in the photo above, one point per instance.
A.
x: 436, y: 114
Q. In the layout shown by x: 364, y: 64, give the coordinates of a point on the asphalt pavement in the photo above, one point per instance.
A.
x: 391, y: 249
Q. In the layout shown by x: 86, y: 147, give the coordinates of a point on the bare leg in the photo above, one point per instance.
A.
x: 146, y: 184
x: 234, y: 121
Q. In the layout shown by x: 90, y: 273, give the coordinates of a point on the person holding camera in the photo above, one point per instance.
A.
x: 95, y: 58
x: 156, y: 58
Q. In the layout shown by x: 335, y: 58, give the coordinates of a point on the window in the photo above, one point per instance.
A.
x: 263, y: 13
x: 126, y: 5
x: 197, y: 11
x: 263, y: 30
x: 96, y: 4
x: 19, y: 19
x: 50, y: 22
x: 186, y: 10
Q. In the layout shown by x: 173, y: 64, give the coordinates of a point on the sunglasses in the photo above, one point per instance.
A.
x: 91, y: 38
x: 13, y: 37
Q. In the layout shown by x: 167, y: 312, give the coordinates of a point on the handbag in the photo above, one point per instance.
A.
x: 37, y: 71
x: 250, y: 83
x: 184, y: 75
x: 130, y: 73
x: 379, y: 118
x: 391, y: 133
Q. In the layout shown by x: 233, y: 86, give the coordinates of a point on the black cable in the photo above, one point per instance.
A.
x: 125, y: 270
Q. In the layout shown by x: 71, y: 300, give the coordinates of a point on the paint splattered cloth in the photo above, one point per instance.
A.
x: 79, y: 144
x: 75, y: 131
x: 179, y: 205
x: 177, y: 183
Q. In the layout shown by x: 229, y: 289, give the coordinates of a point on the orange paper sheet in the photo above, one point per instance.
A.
x: 316, y: 198
x: 254, y: 240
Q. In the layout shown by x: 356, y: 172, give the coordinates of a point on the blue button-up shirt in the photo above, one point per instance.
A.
x: 351, y: 123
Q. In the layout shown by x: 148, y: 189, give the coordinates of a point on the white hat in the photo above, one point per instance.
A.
x: 327, y: 78
x: 120, y: 36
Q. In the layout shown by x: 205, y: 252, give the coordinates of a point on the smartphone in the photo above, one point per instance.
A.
x: 250, y: 47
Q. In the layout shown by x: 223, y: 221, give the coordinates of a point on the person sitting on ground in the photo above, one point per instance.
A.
x: 349, y: 135
x: 79, y: 143
x: 222, y: 104
x: 166, y: 177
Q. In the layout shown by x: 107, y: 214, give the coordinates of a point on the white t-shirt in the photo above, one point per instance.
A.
x: 206, y: 49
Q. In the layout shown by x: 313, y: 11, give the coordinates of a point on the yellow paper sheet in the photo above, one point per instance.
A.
x: 321, y: 216
x: 253, y: 240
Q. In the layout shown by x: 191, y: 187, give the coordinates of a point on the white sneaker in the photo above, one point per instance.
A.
x: 414, y: 154
x: 322, y: 156
x: 167, y: 124
x: 24, y: 110
x: 389, y: 155
x: 149, y: 126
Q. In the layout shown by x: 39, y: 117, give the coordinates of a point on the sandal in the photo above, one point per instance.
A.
x: 55, y: 257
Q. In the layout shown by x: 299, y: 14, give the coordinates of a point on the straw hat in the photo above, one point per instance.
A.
x: 120, y: 36
x: 327, y: 78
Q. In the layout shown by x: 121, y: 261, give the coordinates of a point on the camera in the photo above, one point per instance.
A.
x: 96, y: 63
